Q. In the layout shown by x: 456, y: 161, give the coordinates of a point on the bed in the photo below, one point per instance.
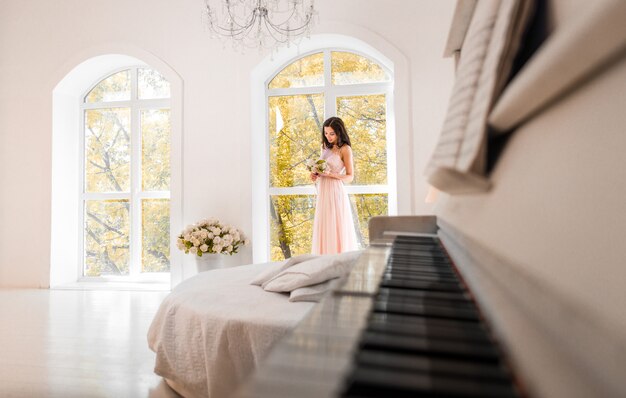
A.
x: 212, y: 329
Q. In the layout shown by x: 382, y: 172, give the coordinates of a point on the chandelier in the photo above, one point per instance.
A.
x: 259, y: 23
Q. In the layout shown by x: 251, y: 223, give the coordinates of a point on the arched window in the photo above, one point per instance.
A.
x: 320, y: 84
x: 125, y: 175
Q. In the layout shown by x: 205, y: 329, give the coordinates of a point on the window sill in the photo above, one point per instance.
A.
x: 100, y: 285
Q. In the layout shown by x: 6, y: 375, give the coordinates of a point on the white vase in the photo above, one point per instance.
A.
x: 209, y: 261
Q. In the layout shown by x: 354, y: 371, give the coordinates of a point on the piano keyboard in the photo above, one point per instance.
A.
x: 402, y: 325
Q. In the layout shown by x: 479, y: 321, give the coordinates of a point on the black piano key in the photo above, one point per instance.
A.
x: 422, y: 272
x: 411, y: 255
x: 418, y: 250
x: 426, y: 299
x: 435, y: 264
x: 408, y: 284
x: 375, y: 382
x: 424, y: 266
x: 431, y: 365
x: 427, y: 302
x: 424, y: 242
x: 422, y: 263
x: 381, y: 317
x: 435, y: 249
x: 414, y: 252
x: 418, y: 295
x: 384, y: 317
x: 420, y: 260
x: 415, y: 276
x: 466, y: 314
x: 400, y: 246
x: 428, y: 327
x: 441, y: 348
x: 415, y: 256
x: 415, y: 239
x: 408, y: 245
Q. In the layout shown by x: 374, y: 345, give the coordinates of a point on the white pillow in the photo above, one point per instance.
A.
x: 314, y: 292
x: 313, y: 272
x: 276, y: 269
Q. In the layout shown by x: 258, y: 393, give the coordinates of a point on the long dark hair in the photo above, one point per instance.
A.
x: 340, y: 129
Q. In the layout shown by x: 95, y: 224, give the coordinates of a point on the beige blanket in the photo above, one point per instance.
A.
x: 214, y: 328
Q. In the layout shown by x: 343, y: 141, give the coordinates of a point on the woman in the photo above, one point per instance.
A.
x: 333, y: 226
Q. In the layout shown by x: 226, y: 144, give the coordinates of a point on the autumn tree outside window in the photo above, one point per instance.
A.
x: 324, y: 83
x: 125, y: 191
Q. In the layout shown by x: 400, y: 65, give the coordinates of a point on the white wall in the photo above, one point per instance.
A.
x: 41, y: 41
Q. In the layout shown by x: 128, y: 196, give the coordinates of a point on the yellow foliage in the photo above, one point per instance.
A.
x: 306, y: 72
x: 350, y: 68
x: 155, y: 253
x: 114, y: 88
x: 155, y: 153
x: 107, y: 249
x: 107, y: 170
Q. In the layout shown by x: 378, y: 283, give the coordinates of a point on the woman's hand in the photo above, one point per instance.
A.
x: 336, y: 176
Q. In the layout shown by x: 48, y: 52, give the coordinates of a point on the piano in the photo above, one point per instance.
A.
x: 402, y: 324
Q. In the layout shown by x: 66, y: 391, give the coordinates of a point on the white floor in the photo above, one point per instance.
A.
x: 78, y: 343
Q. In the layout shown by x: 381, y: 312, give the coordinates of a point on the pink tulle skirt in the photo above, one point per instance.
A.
x: 333, y: 226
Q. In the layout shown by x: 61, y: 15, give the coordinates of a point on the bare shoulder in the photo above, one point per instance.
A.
x: 345, y: 150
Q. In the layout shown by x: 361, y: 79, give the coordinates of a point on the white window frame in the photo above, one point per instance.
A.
x: 136, y: 195
x: 331, y: 93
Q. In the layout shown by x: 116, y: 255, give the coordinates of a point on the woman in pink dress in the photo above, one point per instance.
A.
x: 333, y: 226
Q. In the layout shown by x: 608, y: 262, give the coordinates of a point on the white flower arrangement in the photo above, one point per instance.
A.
x: 211, y: 236
x: 316, y: 166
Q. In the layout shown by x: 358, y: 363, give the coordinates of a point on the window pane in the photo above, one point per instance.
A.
x: 305, y: 72
x: 349, y: 68
x: 114, y: 88
x: 152, y: 84
x: 107, y: 150
x: 367, y: 206
x: 106, y: 237
x: 295, y: 124
x: 291, y: 223
x: 365, y: 118
x: 155, y: 149
x: 155, y: 227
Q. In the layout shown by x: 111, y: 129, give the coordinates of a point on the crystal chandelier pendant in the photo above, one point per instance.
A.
x: 260, y: 23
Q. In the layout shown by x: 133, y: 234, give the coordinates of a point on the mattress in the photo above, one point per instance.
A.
x: 213, y: 329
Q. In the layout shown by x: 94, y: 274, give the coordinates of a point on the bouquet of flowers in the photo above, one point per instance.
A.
x: 316, y: 166
x: 211, y: 236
